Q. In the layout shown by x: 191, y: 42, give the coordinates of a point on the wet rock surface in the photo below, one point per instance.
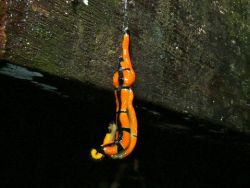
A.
x: 47, y: 137
x: 189, y: 56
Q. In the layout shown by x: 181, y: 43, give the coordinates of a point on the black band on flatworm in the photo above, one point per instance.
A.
x: 119, y: 146
x: 122, y: 87
x: 126, y: 129
x: 122, y: 111
x: 120, y: 78
x: 123, y: 69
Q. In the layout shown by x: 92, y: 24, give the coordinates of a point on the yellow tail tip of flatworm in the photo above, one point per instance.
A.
x: 96, y: 155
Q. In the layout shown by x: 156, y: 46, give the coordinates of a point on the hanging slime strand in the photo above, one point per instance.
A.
x: 125, y: 18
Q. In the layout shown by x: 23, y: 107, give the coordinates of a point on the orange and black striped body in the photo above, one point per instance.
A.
x: 122, y: 138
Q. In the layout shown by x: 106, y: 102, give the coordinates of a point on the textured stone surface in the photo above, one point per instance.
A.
x: 3, y: 39
x: 189, y: 56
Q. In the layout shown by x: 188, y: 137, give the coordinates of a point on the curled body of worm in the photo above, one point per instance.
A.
x: 122, y: 136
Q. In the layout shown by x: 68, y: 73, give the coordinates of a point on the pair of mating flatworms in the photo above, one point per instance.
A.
x: 121, y: 139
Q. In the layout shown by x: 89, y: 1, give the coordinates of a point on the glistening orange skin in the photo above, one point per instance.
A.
x: 129, y: 78
x: 122, y: 143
